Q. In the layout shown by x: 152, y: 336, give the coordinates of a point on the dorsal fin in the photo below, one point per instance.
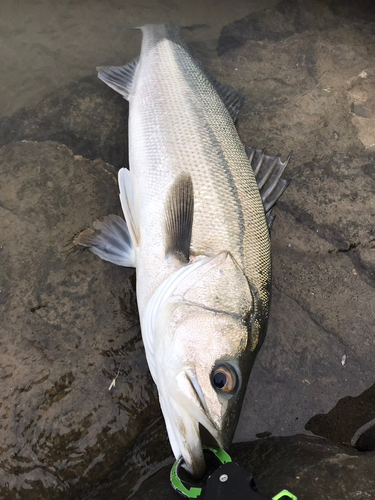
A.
x: 119, y: 78
x: 232, y: 99
x: 268, y: 171
x: 179, y: 217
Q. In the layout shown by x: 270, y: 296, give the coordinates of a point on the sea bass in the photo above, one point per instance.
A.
x: 197, y: 205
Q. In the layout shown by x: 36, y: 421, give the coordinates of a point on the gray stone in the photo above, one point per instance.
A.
x: 290, y: 17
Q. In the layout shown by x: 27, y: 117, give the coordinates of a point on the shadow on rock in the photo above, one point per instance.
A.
x: 350, y: 414
x: 87, y: 116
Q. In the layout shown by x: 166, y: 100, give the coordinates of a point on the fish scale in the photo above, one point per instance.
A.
x: 225, y: 189
x: 197, y: 233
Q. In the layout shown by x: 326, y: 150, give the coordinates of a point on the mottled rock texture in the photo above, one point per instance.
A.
x: 69, y: 326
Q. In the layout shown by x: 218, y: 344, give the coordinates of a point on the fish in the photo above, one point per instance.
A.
x: 198, y: 207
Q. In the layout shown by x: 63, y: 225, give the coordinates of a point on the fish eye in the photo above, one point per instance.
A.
x: 224, y: 378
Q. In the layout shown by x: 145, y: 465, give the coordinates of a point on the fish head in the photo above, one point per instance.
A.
x: 204, y: 353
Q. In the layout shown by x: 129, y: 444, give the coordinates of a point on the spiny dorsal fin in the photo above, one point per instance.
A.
x: 179, y: 216
x: 119, y: 78
x: 110, y: 241
x: 232, y: 99
x: 268, y: 171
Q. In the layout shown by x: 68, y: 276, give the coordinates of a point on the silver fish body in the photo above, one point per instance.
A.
x: 198, y: 236
x: 178, y: 124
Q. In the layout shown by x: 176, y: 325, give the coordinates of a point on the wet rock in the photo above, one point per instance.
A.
x: 308, y: 467
x: 87, y: 116
x: 150, y: 452
x: 69, y: 326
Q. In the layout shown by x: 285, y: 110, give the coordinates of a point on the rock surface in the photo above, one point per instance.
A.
x: 69, y: 326
x: 87, y: 116
x: 304, y: 68
x: 311, y: 468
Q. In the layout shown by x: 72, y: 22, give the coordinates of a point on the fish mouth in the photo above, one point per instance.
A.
x: 195, y: 427
x: 195, y: 463
x: 207, y: 439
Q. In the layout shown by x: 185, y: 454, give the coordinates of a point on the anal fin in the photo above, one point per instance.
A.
x: 110, y: 240
x: 179, y: 217
x: 268, y: 171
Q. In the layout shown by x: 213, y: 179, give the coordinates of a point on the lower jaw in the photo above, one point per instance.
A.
x: 207, y: 438
x: 200, y: 469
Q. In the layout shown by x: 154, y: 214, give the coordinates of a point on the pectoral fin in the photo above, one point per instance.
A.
x: 179, y: 217
x: 110, y: 240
